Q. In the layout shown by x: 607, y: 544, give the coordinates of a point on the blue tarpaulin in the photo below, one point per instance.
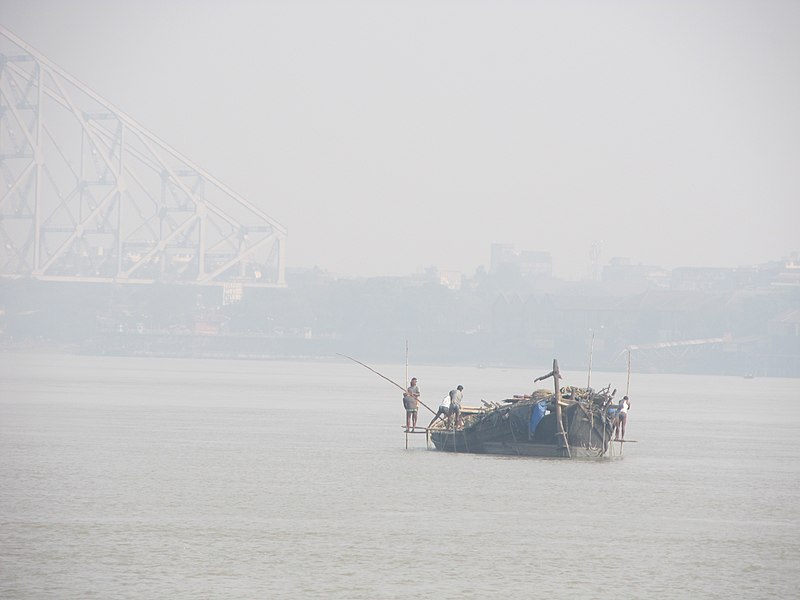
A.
x: 536, y: 415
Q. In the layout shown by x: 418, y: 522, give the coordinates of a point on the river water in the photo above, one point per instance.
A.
x: 170, y: 478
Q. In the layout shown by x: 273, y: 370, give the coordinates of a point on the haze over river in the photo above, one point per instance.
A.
x: 183, y: 478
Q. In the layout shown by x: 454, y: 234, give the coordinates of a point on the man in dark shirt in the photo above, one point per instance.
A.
x: 455, y: 407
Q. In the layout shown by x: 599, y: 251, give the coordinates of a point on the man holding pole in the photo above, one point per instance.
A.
x: 443, y: 412
x: 411, y: 403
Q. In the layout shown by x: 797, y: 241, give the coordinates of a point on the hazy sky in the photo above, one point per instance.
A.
x: 391, y: 136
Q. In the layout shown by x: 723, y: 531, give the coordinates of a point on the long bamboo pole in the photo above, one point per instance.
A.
x: 591, y: 351
x: 406, y: 360
x: 628, y: 384
x: 386, y: 378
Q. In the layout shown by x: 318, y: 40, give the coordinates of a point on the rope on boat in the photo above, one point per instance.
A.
x: 513, y: 435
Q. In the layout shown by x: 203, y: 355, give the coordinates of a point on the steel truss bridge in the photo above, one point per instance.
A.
x: 88, y: 194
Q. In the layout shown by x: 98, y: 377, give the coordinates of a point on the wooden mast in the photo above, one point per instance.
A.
x: 628, y: 384
x: 591, y: 351
x: 563, y: 443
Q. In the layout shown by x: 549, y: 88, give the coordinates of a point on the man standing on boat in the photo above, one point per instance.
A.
x: 455, y: 406
x: 622, y: 418
x: 411, y: 403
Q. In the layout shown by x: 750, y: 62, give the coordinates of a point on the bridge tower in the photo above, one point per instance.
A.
x: 88, y: 194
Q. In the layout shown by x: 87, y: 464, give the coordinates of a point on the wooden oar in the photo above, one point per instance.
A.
x: 405, y: 391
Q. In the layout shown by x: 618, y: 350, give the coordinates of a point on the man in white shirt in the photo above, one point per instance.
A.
x: 444, y: 410
x: 622, y: 418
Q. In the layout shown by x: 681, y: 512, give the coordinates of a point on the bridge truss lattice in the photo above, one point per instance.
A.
x: 90, y: 195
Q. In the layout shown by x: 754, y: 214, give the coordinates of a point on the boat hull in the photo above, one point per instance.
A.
x: 445, y: 442
x: 509, y: 431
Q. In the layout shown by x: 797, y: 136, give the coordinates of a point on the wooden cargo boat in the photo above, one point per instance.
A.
x: 570, y: 422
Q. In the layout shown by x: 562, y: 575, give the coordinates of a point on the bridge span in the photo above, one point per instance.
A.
x: 90, y: 195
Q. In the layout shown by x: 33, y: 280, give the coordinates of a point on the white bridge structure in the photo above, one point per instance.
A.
x: 88, y: 194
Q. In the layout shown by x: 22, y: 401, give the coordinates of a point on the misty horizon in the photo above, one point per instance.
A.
x: 390, y: 138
